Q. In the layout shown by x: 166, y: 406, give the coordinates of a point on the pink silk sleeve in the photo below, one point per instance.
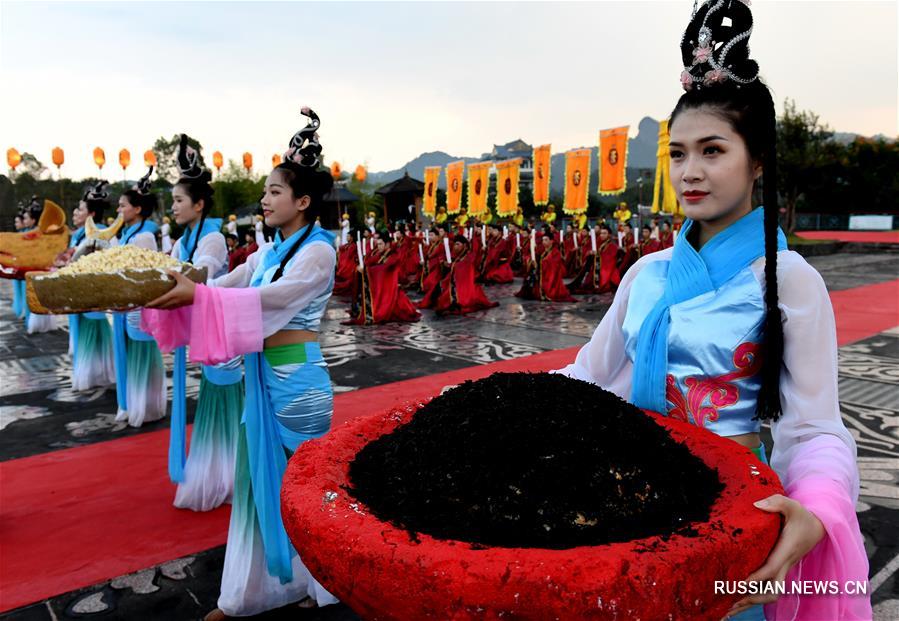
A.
x: 225, y: 323
x: 170, y: 328
x: 221, y: 324
x: 821, y: 478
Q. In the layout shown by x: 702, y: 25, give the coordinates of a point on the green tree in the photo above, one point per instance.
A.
x: 804, y: 149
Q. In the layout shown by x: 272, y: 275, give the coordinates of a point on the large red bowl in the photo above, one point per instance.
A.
x: 382, y: 573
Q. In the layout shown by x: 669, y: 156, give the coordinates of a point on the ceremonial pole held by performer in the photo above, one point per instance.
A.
x: 270, y: 310
x: 729, y: 329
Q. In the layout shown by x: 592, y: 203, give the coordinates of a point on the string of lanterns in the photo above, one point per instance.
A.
x: 14, y: 159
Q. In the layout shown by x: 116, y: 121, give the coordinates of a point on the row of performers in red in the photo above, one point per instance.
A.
x: 374, y: 273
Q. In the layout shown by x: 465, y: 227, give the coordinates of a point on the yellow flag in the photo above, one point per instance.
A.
x: 612, y: 160
x: 663, y: 196
x: 454, y: 174
x: 478, y: 182
x: 577, y: 181
x: 432, y: 175
x: 542, y: 158
x: 507, y: 174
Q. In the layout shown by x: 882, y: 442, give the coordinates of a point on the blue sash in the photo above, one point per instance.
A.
x: 120, y: 358
x: 178, y: 429
x: 266, y: 437
x: 690, y: 274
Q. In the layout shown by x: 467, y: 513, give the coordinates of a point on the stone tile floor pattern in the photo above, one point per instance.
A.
x: 40, y: 413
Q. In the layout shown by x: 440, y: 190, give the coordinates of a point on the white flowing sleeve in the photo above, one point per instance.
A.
x: 305, y: 278
x: 145, y: 240
x: 241, y: 275
x: 808, y: 382
x: 212, y: 253
x: 603, y: 360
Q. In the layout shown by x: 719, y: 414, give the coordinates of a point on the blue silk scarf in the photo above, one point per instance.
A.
x: 266, y: 438
x: 690, y: 274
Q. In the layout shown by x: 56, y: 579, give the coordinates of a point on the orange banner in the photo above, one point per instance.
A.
x: 455, y: 171
x: 577, y: 181
x: 432, y: 175
x: 507, y: 175
x: 542, y: 158
x: 664, y: 198
x: 613, y: 160
x: 478, y: 184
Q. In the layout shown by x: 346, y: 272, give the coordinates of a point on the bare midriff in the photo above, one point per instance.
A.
x: 749, y: 440
x: 290, y: 337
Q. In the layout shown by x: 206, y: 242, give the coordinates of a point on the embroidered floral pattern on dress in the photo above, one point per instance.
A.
x: 720, y: 391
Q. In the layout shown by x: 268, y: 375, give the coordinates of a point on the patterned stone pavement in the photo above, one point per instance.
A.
x: 39, y: 413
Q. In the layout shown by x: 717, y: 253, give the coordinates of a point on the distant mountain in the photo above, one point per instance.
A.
x: 641, y: 154
x: 416, y: 167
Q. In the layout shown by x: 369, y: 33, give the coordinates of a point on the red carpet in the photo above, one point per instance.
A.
x: 884, y: 237
x: 76, y: 517
x: 864, y: 311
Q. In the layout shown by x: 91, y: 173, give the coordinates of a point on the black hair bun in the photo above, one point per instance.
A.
x: 189, y: 160
x: 715, y: 46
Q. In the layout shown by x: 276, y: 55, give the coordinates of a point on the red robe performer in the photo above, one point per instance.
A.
x: 629, y: 248
x: 458, y: 293
x: 519, y: 240
x: 570, y: 253
x: 430, y: 273
x: 603, y: 276
x: 345, y: 275
x: 648, y: 245
x: 497, y: 265
x: 544, y: 277
x: 413, y: 261
x: 380, y: 299
x: 666, y: 237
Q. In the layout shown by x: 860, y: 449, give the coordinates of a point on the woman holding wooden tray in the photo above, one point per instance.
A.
x: 268, y: 309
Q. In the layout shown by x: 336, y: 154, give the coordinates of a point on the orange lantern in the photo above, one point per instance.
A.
x: 276, y: 159
x: 99, y: 157
x: 149, y: 158
x: 217, y: 160
x: 124, y: 158
x: 361, y: 173
x: 13, y: 158
x: 58, y: 157
x: 335, y: 170
x: 248, y: 161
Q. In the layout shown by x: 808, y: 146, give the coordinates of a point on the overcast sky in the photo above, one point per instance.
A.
x: 392, y: 80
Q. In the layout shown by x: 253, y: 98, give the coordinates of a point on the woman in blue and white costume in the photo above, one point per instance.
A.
x: 206, y: 479
x: 729, y: 328
x: 34, y: 323
x: 90, y: 337
x: 289, y: 393
x: 140, y: 374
